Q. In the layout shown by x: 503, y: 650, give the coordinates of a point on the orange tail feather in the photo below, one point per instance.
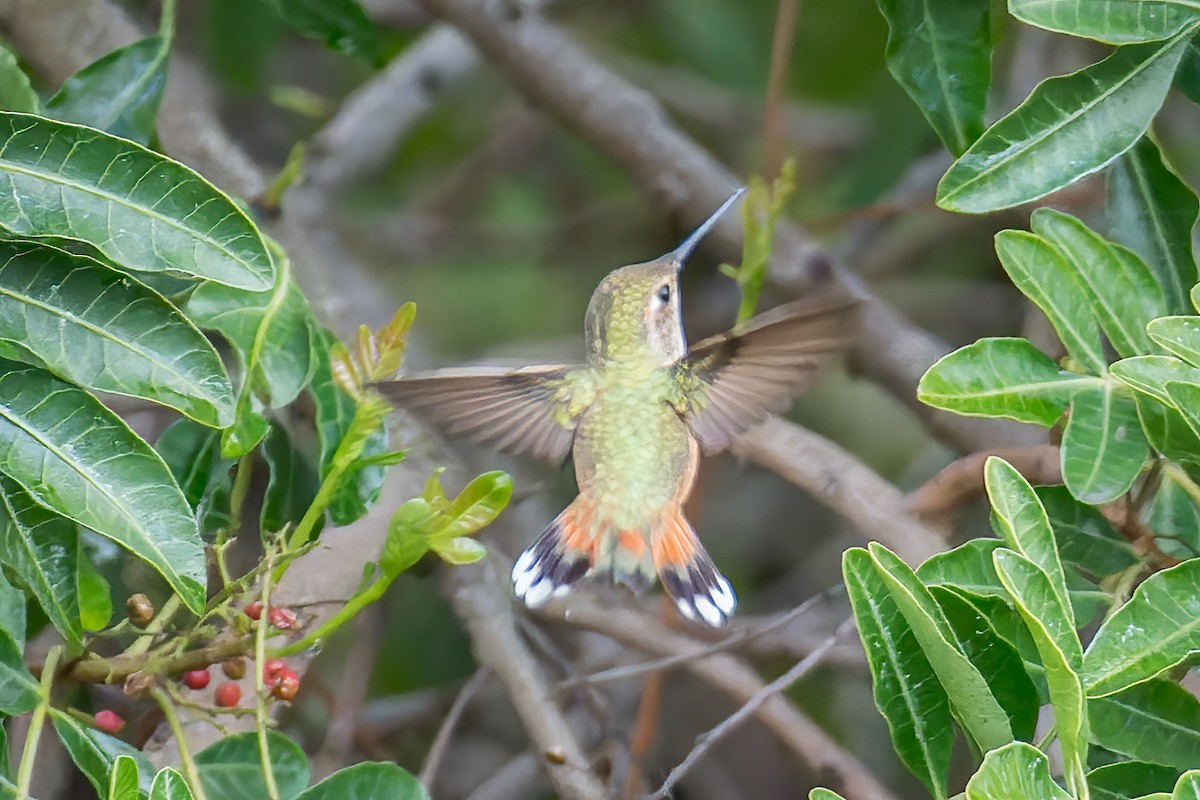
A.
x: 559, y: 557
x: 700, y: 592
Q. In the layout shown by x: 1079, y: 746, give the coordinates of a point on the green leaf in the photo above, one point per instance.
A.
x: 78, y: 458
x: 292, y: 485
x: 5, y: 772
x: 940, y: 52
x: 1158, y: 628
x: 1167, y: 431
x: 193, y: 454
x: 91, y: 325
x: 1068, y: 127
x: 1152, y: 211
x: 1053, y: 629
x: 273, y: 332
x: 42, y: 550
x: 232, y: 769
x: 19, y: 692
x: 459, y: 551
x: 971, y: 701
x: 1001, y: 378
x: 1130, y: 779
x: 140, y: 209
x: 1026, y: 528
x: 407, y: 537
x: 16, y: 94
x: 1156, y: 721
x: 95, y: 752
x: 967, y: 567
x: 480, y: 502
x: 995, y: 658
x: 1043, y: 275
x: 123, y: 780
x: 367, y: 781
x: 1179, y: 335
x: 824, y: 794
x: 1103, y: 448
x: 1113, y: 21
x: 1187, y: 78
x: 120, y: 93
x: 1186, y: 398
x: 12, y: 611
x: 1149, y: 374
x: 1085, y: 537
x: 1188, y: 787
x: 1174, y: 515
x: 95, y: 596
x: 1124, y: 291
x: 907, y: 692
x: 360, y: 488
x: 170, y: 785
x: 341, y: 24
x: 1017, y: 771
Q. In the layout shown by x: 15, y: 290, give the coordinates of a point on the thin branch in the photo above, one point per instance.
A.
x: 961, y: 481
x: 707, y: 741
x: 781, y: 60
x: 846, y: 774
x: 441, y: 741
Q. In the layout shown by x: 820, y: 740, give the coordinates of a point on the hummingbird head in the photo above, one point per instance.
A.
x: 634, y: 314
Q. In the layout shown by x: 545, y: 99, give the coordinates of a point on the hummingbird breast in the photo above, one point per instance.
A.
x: 633, y: 453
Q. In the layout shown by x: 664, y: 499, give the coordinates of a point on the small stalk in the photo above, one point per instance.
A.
x: 260, y: 703
x: 190, y: 770
x: 36, y: 723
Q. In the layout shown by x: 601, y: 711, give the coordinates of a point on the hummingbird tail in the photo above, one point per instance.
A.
x: 700, y: 592
x: 559, y: 557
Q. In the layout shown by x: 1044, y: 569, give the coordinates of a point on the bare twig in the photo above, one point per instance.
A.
x: 961, y: 481
x: 842, y: 482
x: 708, y: 740
x: 441, y: 741
x: 846, y: 774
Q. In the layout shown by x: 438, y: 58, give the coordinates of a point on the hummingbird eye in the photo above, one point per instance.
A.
x: 664, y: 293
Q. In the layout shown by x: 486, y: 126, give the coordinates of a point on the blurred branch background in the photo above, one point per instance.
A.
x: 491, y: 162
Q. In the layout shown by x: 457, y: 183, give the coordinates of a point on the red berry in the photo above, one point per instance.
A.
x: 196, y: 679
x: 109, y: 721
x: 254, y: 610
x: 271, y: 669
x: 283, y: 618
x: 287, y: 683
x: 228, y: 694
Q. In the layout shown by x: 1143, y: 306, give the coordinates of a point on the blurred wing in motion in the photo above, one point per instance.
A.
x: 530, y: 411
x: 733, y: 381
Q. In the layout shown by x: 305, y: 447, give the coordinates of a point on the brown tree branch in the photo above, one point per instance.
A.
x: 961, y: 481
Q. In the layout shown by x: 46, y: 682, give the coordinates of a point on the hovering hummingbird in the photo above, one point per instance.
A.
x: 637, y: 417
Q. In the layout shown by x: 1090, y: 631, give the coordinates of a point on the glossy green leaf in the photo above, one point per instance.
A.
x: 1068, y: 127
x: 292, y: 484
x: 5, y: 771
x: 1156, y: 721
x: 967, y: 567
x: 16, y: 93
x: 193, y: 454
x: 971, y: 701
x: 341, y: 24
x: 274, y: 333
x: 1045, y: 277
x: 458, y: 551
x: 1001, y: 378
x: 1149, y: 374
x: 123, y: 780
x: 1130, y: 779
x: 91, y: 325
x: 12, y: 611
x: 1187, y: 78
x: 169, y: 784
x: 19, y: 692
x: 940, y: 52
x: 95, y: 595
x: 232, y: 768
x: 360, y: 488
x: 1085, y: 537
x: 1017, y: 771
x: 1167, y: 430
x: 996, y: 659
x: 407, y: 537
x: 1025, y: 526
x: 1113, y: 21
x: 95, y: 752
x: 824, y: 794
x: 1188, y: 787
x: 120, y: 93
x: 1124, y: 292
x: 42, y: 550
x: 367, y: 781
x: 480, y: 502
x: 1158, y: 628
x: 1174, y: 515
x: 77, y: 457
x: 1049, y: 621
x: 1152, y: 211
x: 140, y: 209
x: 907, y: 692
x: 1179, y: 335
x: 1103, y: 447
x: 1186, y: 398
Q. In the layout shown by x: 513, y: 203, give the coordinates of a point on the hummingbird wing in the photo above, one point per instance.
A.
x: 733, y: 381
x: 531, y: 411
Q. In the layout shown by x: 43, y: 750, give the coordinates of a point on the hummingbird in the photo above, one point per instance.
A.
x: 637, y: 418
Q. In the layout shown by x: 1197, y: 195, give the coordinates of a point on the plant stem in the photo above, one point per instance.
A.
x: 29, y: 754
x: 237, y: 498
x: 344, y: 614
x: 190, y: 771
x: 146, y: 638
x: 166, y: 23
x: 260, y: 704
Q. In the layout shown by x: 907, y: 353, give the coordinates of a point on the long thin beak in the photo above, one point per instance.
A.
x: 684, y: 250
